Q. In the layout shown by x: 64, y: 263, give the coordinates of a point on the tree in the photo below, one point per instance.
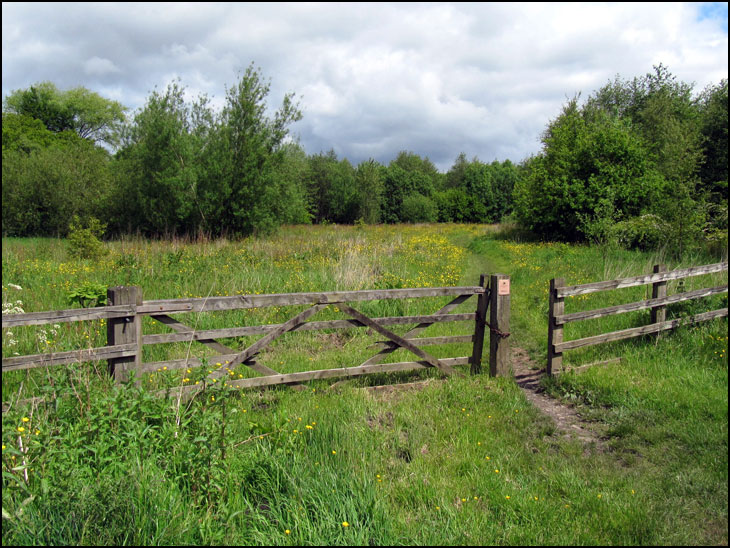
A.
x: 713, y: 107
x: 80, y: 110
x: 43, y: 189
x: 406, y: 175
x: 369, y: 183
x: 159, y: 164
x: 484, y: 191
x: 631, y: 160
x: 26, y: 134
x: 252, y: 145
x: 593, y: 170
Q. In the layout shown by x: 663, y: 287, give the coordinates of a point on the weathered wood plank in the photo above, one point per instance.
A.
x: 259, y: 345
x: 209, y: 342
x: 59, y: 358
x: 192, y: 361
x: 639, y: 305
x: 262, y: 301
x: 126, y: 330
x: 187, y: 336
x: 400, y: 341
x: 638, y: 331
x: 442, y: 313
x: 69, y: 315
x: 165, y: 307
x: 480, y: 325
x: 259, y: 382
x: 556, y: 307
x: 426, y: 341
x: 658, y: 291
x: 585, y: 367
x: 499, y: 316
x: 569, y: 291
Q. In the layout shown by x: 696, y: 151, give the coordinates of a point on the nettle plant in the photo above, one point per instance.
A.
x: 88, y: 295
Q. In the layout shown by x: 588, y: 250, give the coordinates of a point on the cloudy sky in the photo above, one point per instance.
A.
x: 372, y: 79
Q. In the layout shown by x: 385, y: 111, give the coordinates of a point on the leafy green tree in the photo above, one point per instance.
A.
x: 332, y: 189
x: 252, y: 145
x: 593, y: 170
x: 43, y: 189
x: 80, y: 110
x: 369, y: 183
x: 504, y: 176
x: 292, y: 207
x: 638, y: 156
x: 418, y: 208
x: 25, y: 134
x: 456, y: 175
x: 158, y: 162
x: 454, y: 205
x: 408, y: 174
x: 713, y: 107
x: 484, y: 191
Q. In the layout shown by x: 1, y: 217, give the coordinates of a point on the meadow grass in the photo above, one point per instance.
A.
x: 461, y: 461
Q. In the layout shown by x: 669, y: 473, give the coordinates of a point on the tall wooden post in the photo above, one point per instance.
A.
x: 555, y: 332
x: 499, y: 293
x: 124, y: 330
x: 481, y: 322
x: 659, y: 289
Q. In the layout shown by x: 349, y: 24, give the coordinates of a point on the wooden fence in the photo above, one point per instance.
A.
x: 125, y: 340
x: 658, y: 279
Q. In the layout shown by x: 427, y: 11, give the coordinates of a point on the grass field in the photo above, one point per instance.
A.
x: 460, y: 461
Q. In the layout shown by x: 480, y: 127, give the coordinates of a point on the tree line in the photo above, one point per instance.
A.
x: 640, y: 162
x: 180, y: 167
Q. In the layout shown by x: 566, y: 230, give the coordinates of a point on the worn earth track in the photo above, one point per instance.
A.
x: 567, y: 419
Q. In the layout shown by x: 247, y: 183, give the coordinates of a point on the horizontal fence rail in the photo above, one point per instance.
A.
x: 126, y: 308
x: 657, y: 304
x: 236, y: 302
x: 584, y: 289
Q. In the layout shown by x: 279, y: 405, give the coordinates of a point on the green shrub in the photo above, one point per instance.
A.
x: 418, y: 208
x: 646, y: 232
x: 88, y: 295
x: 84, y: 240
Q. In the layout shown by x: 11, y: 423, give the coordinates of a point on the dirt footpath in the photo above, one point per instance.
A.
x: 567, y: 419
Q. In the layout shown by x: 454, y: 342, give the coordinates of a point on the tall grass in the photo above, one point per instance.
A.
x: 460, y: 461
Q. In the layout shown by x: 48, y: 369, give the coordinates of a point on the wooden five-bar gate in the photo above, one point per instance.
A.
x: 125, y: 340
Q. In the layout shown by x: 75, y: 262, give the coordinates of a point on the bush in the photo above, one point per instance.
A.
x: 418, y: 208
x: 84, y: 240
x: 646, y: 232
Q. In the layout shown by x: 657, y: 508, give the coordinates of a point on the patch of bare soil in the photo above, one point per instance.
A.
x: 567, y: 418
x: 390, y: 391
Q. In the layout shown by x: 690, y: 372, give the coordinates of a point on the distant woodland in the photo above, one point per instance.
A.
x: 641, y: 163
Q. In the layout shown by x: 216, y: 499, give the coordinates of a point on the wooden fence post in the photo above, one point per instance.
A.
x: 124, y: 330
x: 499, y: 293
x: 555, y: 332
x: 659, y: 289
x: 480, y: 324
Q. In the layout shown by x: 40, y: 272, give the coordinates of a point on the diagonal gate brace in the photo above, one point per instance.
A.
x: 400, y: 341
x: 377, y: 358
x: 259, y: 345
x: 211, y: 343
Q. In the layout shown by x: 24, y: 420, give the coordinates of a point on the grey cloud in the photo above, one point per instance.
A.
x: 373, y: 79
